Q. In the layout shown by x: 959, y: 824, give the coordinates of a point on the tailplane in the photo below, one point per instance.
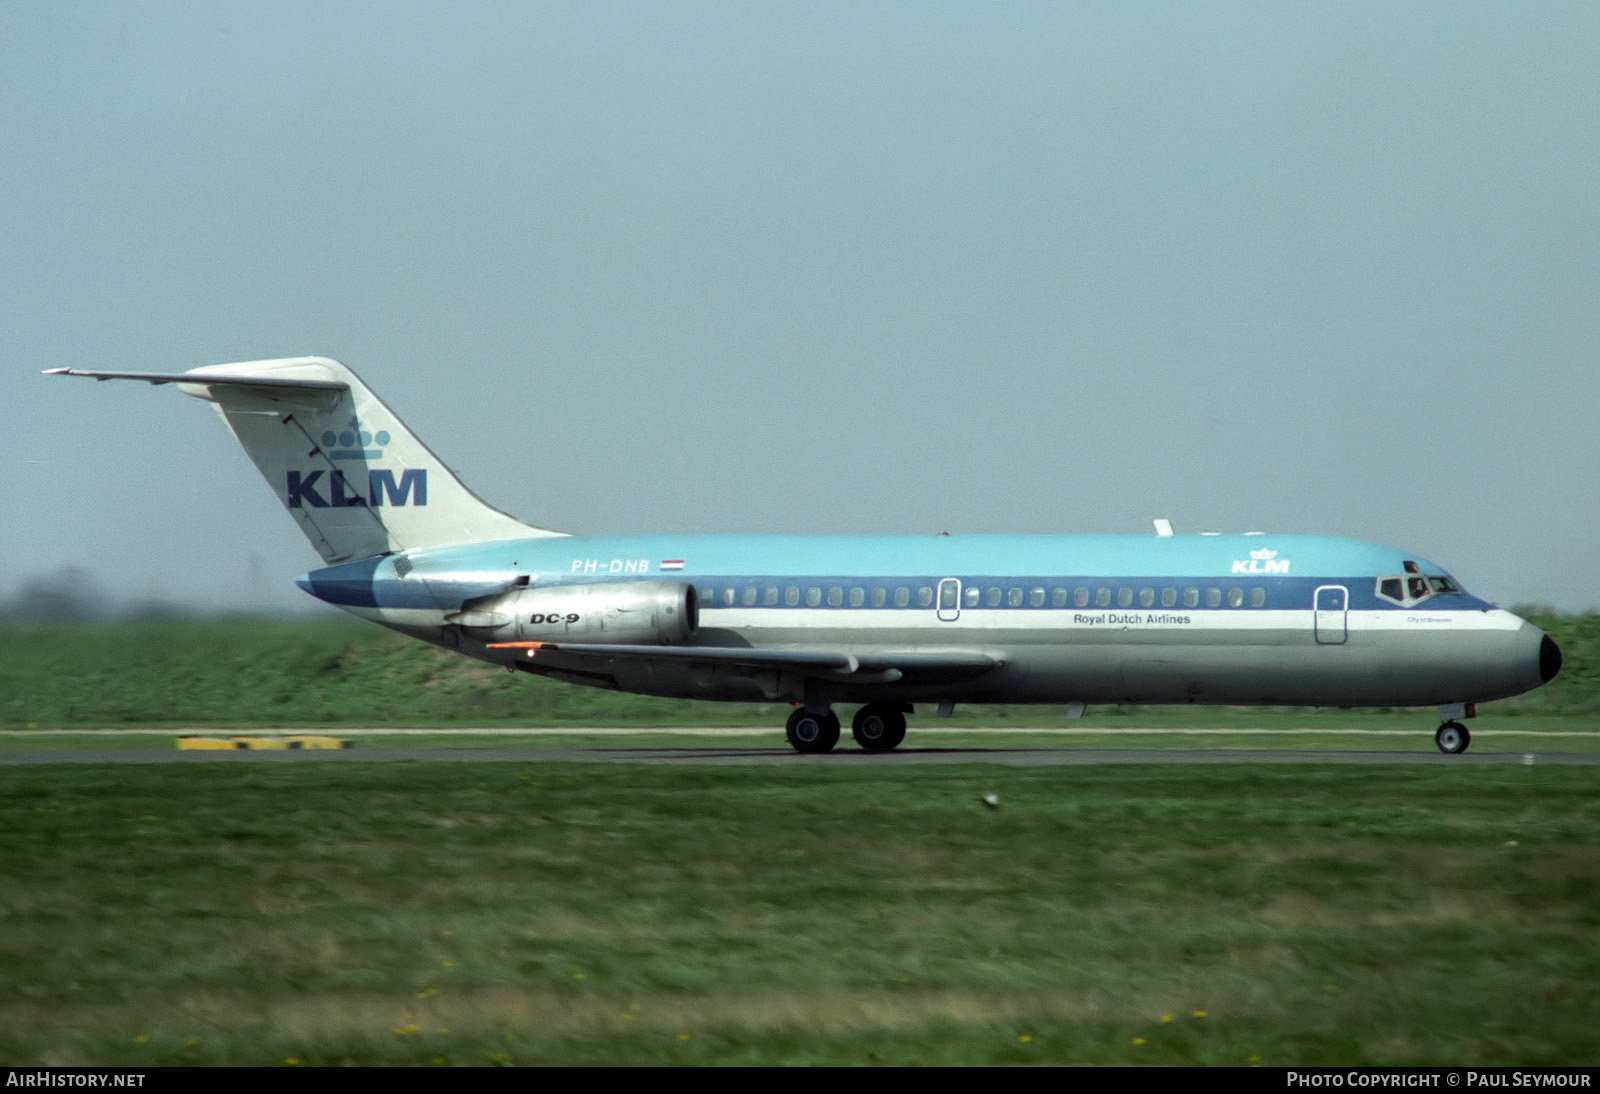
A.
x: 356, y: 480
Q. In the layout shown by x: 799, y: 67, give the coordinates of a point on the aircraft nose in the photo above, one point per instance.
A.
x: 1528, y: 659
x: 1549, y: 659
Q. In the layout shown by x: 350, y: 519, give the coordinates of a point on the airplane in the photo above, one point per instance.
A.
x: 884, y: 621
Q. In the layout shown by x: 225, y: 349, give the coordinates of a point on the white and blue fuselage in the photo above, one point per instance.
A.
x: 1150, y: 619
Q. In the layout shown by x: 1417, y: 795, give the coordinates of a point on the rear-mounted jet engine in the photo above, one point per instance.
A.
x: 661, y: 613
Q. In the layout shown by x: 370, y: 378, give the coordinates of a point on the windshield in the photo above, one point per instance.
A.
x: 1408, y: 589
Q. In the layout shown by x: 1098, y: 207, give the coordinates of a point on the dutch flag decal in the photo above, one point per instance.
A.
x: 672, y: 564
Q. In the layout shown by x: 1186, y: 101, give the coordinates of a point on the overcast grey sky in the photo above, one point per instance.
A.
x: 1036, y: 267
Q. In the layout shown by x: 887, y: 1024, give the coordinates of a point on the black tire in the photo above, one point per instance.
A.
x: 809, y: 732
x: 878, y: 727
x: 1452, y: 738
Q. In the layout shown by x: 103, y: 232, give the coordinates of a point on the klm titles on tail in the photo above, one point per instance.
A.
x: 411, y: 489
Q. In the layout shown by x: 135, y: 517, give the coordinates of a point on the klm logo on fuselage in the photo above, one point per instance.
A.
x: 1264, y: 561
x: 336, y: 491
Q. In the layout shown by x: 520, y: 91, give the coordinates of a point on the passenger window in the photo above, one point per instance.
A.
x: 727, y: 597
x: 1102, y: 598
x: 878, y: 597
x: 1258, y: 598
x: 858, y: 597
x: 813, y: 597
x: 1213, y: 598
x: 1124, y: 597
x: 1058, y: 598
x: 770, y: 597
x: 1147, y: 597
x: 748, y: 597
x: 791, y: 595
x: 971, y: 595
x: 835, y: 596
x: 902, y: 597
x: 1235, y: 598
x: 947, y: 594
x: 924, y: 597
x: 1036, y: 598
x: 1080, y: 598
x: 1013, y: 598
x: 1169, y: 597
x: 1191, y: 597
x: 992, y: 597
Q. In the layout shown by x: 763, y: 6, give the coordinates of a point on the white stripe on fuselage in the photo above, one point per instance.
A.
x: 1092, y: 619
x: 976, y: 622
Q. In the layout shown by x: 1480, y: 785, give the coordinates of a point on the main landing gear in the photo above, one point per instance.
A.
x: 1452, y: 738
x: 808, y: 732
x: 877, y: 727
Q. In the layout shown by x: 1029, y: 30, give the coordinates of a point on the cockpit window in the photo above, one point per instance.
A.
x: 1409, y: 589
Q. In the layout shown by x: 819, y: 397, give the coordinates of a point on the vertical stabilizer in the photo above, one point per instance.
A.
x: 356, y: 480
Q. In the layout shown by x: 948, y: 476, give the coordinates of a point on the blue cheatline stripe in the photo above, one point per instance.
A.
x: 1277, y: 593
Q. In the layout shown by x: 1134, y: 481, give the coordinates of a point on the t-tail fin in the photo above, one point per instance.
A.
x: 356, y: 480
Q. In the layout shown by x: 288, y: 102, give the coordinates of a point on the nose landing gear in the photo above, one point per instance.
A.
x: 1452, y: 738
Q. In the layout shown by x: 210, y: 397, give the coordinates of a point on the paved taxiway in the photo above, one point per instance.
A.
x: 846, y: 756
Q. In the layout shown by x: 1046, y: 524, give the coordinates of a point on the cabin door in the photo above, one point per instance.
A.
x: 1331, y: 613
x: 950, y: 599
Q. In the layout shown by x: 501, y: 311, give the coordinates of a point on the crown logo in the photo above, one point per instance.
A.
x: 1263, y: 554
x: 354, y: 443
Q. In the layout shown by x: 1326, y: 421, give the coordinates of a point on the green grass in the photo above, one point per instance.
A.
x: 541, y: 914
x: 338, y: 673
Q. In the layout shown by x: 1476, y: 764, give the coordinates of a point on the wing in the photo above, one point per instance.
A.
x: 874, y: 666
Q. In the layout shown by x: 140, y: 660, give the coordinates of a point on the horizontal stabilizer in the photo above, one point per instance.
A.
x: 192, y: 378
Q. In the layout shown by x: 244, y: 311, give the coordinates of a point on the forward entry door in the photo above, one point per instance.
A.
x: 1331, y: 614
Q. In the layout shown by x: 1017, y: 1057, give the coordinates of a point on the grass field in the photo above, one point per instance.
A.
x: 541, y: 913
x: 534, y: 913
x: 338, y: 673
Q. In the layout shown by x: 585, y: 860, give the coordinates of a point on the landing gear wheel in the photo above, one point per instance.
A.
x: 878, y: 727
x: 1452, y: 738
x: 808, y: 732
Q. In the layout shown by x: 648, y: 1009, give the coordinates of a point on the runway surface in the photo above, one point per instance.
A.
x: 847, y: 757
